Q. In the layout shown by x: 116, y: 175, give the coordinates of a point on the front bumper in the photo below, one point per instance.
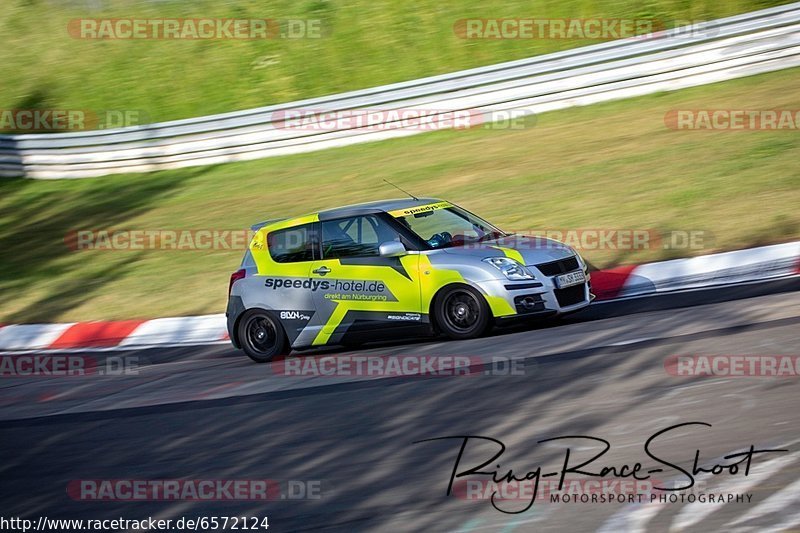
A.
x: 539, y: 298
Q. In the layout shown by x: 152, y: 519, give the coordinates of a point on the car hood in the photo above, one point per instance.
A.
x: 534, y: 250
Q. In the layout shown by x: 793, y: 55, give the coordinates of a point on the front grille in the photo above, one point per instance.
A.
x: 571, y: 295
x: 561, y: 266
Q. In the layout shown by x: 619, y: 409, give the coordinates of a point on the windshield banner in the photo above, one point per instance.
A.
x: 419, y: 209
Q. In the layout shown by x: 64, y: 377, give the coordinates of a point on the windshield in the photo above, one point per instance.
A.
x: 449, y: 226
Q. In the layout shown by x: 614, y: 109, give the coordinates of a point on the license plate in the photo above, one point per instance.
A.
x: 571, y: 278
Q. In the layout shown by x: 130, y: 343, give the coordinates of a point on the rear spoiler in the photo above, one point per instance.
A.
x: 258, y: 225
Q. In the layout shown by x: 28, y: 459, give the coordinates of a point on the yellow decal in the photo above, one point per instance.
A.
x: 511, y: 254
x: 259, y: 241
x: 325, y: 333
x: 499, y: 306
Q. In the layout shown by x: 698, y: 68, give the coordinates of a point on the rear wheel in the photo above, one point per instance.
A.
x: 461, y: 312
x: 261, y: 336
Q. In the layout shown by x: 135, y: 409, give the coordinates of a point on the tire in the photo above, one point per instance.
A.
x: 261, y: 336
x: 461, y: 312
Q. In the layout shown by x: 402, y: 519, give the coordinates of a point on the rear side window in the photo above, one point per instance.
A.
x: 292, y: 245
x: 358, y: 236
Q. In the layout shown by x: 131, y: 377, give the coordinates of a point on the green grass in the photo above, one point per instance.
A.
x: 365, y: 43
x: 614, y: 165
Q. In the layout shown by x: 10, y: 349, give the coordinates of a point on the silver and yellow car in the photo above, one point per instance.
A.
x: 397, y: 267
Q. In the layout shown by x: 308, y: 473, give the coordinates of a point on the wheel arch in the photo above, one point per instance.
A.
x: 446, y: 287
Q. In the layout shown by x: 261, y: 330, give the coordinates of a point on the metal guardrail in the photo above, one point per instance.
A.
x: 742, y: 45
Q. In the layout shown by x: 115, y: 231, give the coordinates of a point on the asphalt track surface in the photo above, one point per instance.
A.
x: 209, y: 413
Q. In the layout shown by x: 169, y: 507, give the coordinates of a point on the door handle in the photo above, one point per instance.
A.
x: 321, y: 270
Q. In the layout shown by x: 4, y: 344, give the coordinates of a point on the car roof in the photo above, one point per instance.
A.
x: 367, y: 208
x: 379, y: 206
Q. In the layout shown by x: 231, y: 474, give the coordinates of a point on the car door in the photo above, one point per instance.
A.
x: 363, y: 291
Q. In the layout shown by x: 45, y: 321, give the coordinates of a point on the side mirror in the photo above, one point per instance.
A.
x: 391, y: 249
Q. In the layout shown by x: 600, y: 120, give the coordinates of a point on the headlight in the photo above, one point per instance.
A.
x: 512, y: 269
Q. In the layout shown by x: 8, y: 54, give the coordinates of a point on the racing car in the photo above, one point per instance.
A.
x: 378, y: 270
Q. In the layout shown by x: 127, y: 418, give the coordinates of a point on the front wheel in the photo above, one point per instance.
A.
x: 261, y: 336
x: 462, y: 312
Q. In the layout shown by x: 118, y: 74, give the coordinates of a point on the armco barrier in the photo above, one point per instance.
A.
x: 741, y: 266
x: 742, y: 45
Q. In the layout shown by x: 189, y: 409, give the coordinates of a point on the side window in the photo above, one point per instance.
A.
x: 292, y: 245
x: 355, y: 237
